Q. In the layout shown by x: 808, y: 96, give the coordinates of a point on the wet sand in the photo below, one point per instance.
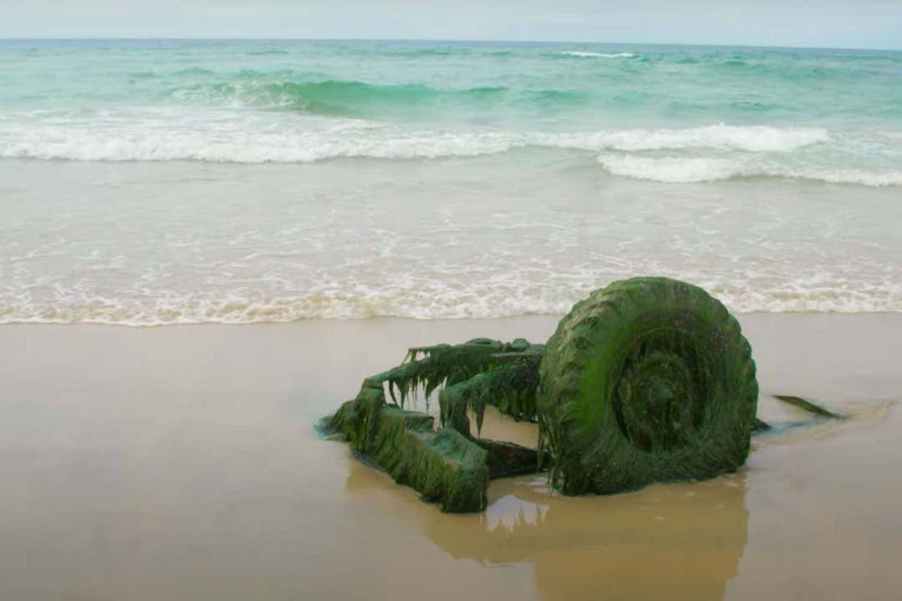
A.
x: 180, y: 463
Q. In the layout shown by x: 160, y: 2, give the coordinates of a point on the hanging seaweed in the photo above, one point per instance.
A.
x: 509, y: 383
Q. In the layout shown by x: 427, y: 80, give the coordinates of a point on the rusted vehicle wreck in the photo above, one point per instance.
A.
x: 647, y: 380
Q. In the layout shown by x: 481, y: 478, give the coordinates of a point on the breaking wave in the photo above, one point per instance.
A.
x: 162, y: 136
x: 680, y: 170
x: 749, y: 138
x: 326, y: 97
x: 583, y: 54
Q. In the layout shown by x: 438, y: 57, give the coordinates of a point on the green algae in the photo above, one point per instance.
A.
x: 448, y: 466
x: 471, y: 375
x: 649, y: 380
x: 445, y: 365
x: 808, y: 406
x: 444, y: 467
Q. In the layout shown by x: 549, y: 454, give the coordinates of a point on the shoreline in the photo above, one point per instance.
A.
x: 327, y: 249
x: 741, y: 316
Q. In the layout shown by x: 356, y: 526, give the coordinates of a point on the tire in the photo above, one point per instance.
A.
x: 648, y: 380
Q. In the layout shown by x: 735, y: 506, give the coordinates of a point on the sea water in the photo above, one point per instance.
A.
x: 155, y: 182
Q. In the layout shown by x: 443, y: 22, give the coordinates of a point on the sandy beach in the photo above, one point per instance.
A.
x: 181, y: 463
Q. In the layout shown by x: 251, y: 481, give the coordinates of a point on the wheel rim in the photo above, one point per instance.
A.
x: 660, y: 395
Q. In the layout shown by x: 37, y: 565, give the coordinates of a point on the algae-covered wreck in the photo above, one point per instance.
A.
x: 647, y: 380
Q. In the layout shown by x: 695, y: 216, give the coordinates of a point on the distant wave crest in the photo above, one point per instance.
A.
x: 585, y: 54
x: 326, y: 97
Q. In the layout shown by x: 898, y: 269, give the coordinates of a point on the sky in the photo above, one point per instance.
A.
x: 823, y: 23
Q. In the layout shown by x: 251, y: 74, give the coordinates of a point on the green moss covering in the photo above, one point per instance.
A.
x: 448, y: 466
x: 648, y: 380
x: 808, y: 406
x: 444, y: 467
x: 431, y: 367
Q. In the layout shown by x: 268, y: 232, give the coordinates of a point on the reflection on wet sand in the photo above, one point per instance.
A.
x: 680, y: 541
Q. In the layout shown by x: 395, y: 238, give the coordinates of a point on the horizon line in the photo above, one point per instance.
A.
x: 401, y: 39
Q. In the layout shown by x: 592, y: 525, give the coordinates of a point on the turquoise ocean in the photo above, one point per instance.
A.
x: 162, y: 182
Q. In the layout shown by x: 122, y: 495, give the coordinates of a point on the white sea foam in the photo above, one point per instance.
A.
x: 252, y: 137
x: 582, y: 54
x: 246, y: 147
x: 721, y: 136
x: 671, y: 170
x: 429, y: 302
x: 843, y: 176
x: 683, y: 170
x: 226, y: 137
